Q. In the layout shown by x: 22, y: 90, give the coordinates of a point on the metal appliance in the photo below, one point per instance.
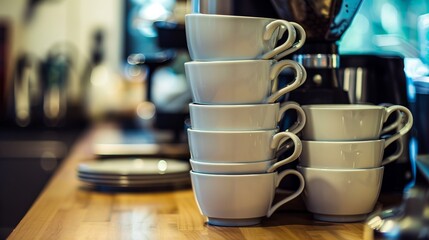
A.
x: 324, y: 22
x: 156, y: 44
x: 154, y: 52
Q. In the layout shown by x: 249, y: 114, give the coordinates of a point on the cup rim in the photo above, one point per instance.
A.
x: 229, y: 163
x: 226, y: 16
x: 342, y: 107
x: 336, y: 142
x: 232, y: 175
x: 274, y: 130
x: 229, y: 62
x: 221, y: 106
x: 341, y: 170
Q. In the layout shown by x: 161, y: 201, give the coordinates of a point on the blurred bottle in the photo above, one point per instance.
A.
x: 104, y: 87
x: 55, y: 74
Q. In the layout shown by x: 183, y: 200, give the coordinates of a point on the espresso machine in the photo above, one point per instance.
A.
x: 324, y: 22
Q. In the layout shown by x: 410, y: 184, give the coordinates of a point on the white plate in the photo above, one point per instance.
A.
x: 137, y: 184
x: 134, y: 177
x: 133, y: 182
x: 137, y: 166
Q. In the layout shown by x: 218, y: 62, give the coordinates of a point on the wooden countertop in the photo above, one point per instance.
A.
x: 66, y: 209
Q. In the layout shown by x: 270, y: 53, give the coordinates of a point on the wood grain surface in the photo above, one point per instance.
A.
x: 67, y: 209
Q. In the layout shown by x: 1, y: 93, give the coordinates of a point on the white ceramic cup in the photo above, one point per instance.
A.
x: 341, y: 195
x: 241, y: 81
x: 232, y: 168
x: 346, y: 154
x: 240, y: 200
x: 347, y: 122
x: 225, y: 37
x: 244, y: 117
x: 241, y: 146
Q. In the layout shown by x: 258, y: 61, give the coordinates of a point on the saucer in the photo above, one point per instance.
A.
x: 133, y: 167
x: 126, y: 173
x: 136, y: 184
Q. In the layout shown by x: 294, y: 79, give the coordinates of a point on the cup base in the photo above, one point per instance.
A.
x: 227, y: 222
x: 340, y: 218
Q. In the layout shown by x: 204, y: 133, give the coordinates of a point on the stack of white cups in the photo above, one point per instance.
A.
x: 234, y: 137
x: 342, y: 157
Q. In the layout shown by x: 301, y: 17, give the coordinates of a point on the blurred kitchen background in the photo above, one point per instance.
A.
x: 67, y: 65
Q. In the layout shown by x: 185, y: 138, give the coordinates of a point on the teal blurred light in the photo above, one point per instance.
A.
x: 385, y: 26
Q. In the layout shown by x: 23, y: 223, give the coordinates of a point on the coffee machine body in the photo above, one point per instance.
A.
x: 374, y: 78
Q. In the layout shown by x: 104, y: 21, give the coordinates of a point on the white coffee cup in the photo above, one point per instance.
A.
x: 341, y: 195
x: 343, y: 122
x: 226, y: 37
x: 240, y: 82
x: 243, y: 117
x: 239, y: 200
x: 345, y: 154
x: 232, y: 167
x: 241, y: 146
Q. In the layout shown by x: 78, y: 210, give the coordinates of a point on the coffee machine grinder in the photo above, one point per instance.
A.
x: 324, y: 23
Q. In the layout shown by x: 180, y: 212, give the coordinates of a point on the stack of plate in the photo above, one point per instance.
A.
x: 135, y: 173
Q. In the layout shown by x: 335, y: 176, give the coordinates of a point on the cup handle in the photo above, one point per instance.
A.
x: 297, y: 45
x: 276, y: 143
x: 396, y: 123
x: 407, y: 126
x: 298, y: 81
x: 268, y: 34
x: 301, y: 119
x: 280, y: 176
x: 304, y: 77
x: 401, y: 110
x: 396, y: 154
